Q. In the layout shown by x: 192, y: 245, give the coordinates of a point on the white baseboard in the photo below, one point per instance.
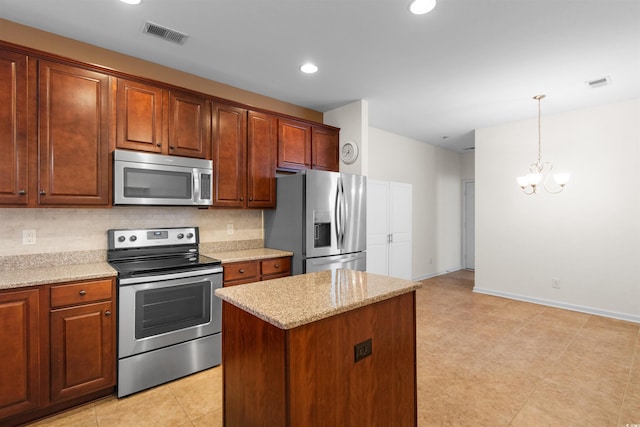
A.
x: 440, y: 273
x: 557, y: 304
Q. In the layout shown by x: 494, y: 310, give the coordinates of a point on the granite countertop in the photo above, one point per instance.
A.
x: 297, y: 300
x: 19, y: 278
x: 247, y: 254
x: 21, y: 271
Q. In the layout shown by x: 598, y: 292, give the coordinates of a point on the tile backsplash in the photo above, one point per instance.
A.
x: 68, y: 230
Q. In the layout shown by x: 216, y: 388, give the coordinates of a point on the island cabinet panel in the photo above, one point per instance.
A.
x: 73, y: 138
x: 257, y: 360
x: 324, y: 149
x: 19, y: 352
x: 13, y: 128
x: 308, y: 376
x: 141, y: 117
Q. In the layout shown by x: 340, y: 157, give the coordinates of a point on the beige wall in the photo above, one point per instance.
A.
x: 435, y: 174
x: 68, y: 48
x: 588, y: 236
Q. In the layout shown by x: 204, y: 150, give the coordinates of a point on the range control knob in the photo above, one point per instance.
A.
x: 180, y: 235
x: 121, y: 239
x: 133, y: 238
x: 189, y: 235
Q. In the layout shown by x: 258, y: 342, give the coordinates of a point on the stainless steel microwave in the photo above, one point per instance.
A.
x: 154, y: 179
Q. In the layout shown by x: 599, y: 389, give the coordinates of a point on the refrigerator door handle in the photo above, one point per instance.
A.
x: 337, y: 215
x: 343, y: 212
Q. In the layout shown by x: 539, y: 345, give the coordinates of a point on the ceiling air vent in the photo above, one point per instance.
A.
x: 599, y: 82
x: 165, y: 33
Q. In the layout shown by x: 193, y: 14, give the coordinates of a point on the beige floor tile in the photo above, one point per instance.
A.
x: 530, y: 416
x: 210, y: 419
x: 155, y: 407
x: 199, y: 394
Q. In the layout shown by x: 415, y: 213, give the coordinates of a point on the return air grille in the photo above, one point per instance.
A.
x: 599, y: 82
x: 165, y: 33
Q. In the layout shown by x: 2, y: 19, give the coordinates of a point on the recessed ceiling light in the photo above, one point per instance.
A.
x: 420, y: 7
x: 131, y: 1
x: 309, y: 68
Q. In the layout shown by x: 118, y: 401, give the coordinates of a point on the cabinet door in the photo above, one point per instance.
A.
x: 140, y: 117
x: 261, y: 160
x: 294, y: 145
x: 324, y: 149
x: 189, y: 125
x: 83, y: 357
x: 19, y: 352
x: 73, y: 141
x: 13, y: 128
x: 229, y: 155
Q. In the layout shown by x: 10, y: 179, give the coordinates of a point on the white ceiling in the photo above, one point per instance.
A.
x: 468, y: 64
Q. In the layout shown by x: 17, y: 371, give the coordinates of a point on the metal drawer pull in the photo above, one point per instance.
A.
x: 277, y: 266
x: 107, y: 313
x: 22, y: 192
x: 42, y: 192
x: 241, y: 271
x: 83, y: 292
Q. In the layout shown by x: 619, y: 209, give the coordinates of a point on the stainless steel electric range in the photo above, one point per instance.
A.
x: 169, y: 320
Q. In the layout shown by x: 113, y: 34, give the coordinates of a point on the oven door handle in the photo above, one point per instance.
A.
x: 169, y: 276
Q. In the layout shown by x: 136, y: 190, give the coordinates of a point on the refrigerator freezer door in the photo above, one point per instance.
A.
x: 357, y: 261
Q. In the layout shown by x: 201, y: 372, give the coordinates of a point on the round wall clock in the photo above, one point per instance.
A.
x: 349, y: 152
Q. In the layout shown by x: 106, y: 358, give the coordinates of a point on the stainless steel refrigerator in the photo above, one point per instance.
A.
x: 321, y: 218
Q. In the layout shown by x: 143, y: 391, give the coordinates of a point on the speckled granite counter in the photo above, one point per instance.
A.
x: 297, y: 300
x: 247, y: 254
x: 18, y: 278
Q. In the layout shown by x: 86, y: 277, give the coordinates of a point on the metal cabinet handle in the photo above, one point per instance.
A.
x: 172, y: 147
x: 83, y: 292
x: 251, y: 199
x: 241, y: 271
x: 22, y: 192
x: 158, y: 145
x: 107, y: 313
x: 277, y: 266
x: 241, y: 199
x: 42, y: 192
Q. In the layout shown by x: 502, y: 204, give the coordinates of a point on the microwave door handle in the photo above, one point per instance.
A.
x: 196, y: 185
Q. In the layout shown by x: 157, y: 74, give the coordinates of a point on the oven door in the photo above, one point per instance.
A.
x: 161, y: 313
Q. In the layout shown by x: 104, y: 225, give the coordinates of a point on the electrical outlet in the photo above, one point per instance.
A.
x: 362, y: 350
x: 229, y: 229
x: 28, y: 237
x: 555, y: 283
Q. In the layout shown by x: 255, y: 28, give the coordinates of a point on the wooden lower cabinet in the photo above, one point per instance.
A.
x: 19, y: 352
x: 58, y: 348
x: 308, y: 375
x: 238, y: 273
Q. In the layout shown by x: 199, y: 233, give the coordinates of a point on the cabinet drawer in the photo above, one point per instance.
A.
x: 241, y: 271
x: 80, y: 293
x: 276, y: 266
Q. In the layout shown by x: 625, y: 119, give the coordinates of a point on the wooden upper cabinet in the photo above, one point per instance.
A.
x: 189, y: 125
x: 324, y: 149
x: 229, y: 125
x: 261, y: 160
x: 141, y: 117
x: 73, y: 141
x: 19, y: 352
x: 13, y: 128
x: 294, y: 145
x: 244, y: 157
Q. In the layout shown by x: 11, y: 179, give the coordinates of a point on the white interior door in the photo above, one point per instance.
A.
x: 400, y: 252
x: 469, y: 229
x: 377, y: 227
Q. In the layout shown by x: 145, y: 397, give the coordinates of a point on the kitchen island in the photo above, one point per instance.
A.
x: 328, y: 348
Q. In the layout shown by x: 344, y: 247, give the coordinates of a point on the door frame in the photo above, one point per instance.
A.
x: 465, y: 182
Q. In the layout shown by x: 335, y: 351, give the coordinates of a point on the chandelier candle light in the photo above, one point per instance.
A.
x: 539, y: 170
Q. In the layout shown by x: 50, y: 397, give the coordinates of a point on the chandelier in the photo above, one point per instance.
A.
x: 541, y: 171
